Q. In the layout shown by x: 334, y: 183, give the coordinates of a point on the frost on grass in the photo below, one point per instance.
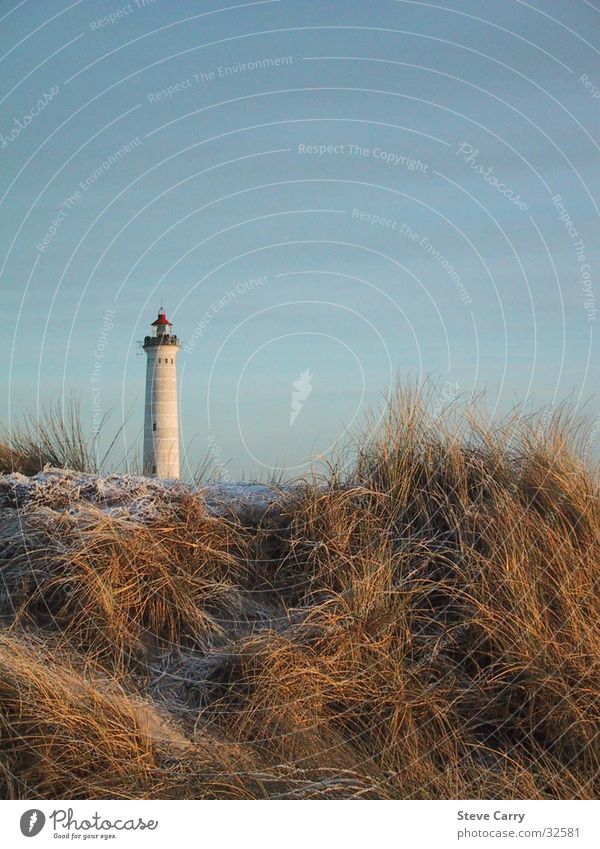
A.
x: 131, y: 497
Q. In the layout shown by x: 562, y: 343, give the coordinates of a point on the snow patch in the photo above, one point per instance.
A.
x: 131, y: 497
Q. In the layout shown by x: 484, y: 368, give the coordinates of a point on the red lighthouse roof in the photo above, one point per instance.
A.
x: 162, y: 319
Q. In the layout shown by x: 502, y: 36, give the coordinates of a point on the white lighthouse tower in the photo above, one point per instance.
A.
x: 161, y: 417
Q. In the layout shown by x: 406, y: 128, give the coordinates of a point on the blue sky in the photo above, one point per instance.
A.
x: 335, y: 193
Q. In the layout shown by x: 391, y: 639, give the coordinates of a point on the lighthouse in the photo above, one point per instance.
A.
x: 161, y: 417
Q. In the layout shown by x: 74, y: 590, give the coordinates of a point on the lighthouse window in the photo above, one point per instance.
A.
x: 153, y: 425
x: 159, y: 360
x: 153, y: 470
x: 171, y: 360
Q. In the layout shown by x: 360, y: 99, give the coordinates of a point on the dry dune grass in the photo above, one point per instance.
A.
x: 424, y: 625
x: 118, y: 589
x: 55, y: 437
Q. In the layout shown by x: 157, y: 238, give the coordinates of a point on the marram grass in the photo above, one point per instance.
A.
x: 423, y: 622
